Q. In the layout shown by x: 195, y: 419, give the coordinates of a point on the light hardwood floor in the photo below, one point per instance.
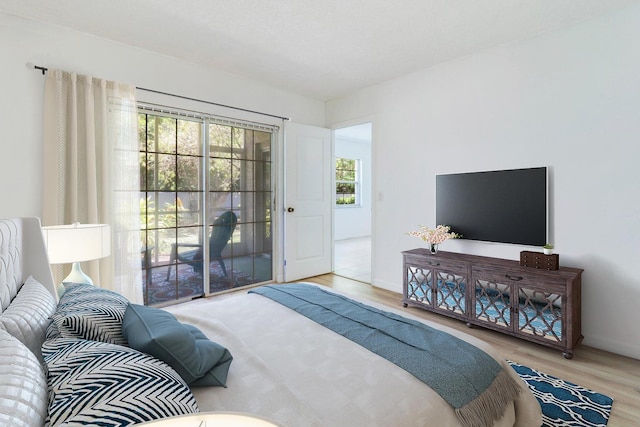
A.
x: 604, y: 372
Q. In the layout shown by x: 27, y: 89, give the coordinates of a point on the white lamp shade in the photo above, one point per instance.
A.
x: 77, y: 242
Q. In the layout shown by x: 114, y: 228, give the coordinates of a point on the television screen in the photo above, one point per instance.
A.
x: 508, y: 206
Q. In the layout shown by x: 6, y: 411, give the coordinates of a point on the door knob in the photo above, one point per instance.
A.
x: 290, y: 209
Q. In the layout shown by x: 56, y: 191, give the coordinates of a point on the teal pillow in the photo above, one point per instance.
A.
x: 198, y: 360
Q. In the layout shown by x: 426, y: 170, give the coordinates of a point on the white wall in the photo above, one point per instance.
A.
x: 23, y: 41
x: 351, y: 222
x: 569, y: 100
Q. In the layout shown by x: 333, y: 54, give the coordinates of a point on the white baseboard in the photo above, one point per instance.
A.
x: 624, y: 349
x: 389, y: 286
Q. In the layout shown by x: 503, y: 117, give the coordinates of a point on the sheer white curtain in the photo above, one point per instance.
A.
x: 91, y: 170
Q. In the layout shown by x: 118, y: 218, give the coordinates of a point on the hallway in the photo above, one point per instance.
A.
x: 353, y: 258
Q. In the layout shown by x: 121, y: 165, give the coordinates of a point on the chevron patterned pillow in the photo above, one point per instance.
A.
x: 95, y: 383
x: 90, y: 313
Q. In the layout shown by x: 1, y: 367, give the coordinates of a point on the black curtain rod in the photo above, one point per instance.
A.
x: 45, y: 69
x: 213, y: 103
x: 36, y: 67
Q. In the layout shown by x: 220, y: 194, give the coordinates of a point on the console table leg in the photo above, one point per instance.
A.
x: 567, y: 355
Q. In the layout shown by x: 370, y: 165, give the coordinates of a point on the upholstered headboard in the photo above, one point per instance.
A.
x: 22, y: 254
x: 36, y: 373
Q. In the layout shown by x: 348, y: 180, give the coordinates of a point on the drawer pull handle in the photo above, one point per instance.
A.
x: 516, y: 278
x: 435, y: 264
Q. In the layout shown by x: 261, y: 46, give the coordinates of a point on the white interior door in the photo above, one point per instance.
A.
x: 308, y: 201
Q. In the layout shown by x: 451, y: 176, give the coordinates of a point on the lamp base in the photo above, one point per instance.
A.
x: 75, y: 276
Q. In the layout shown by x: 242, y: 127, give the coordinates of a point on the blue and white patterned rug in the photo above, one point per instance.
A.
x: 565, y: 404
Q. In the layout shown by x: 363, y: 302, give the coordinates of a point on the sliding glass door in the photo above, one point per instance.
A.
x: 206, y: 200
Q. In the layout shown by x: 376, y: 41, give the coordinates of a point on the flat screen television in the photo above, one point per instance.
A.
x: 507, y: 206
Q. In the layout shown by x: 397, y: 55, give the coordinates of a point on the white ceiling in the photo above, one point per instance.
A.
x: 319, y: 48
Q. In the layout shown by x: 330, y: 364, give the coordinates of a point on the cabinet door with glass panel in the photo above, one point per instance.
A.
x: 541, y: 312
x: 438, y: 285
x: 509, y: 299
x: 492, y: 298
x: 450, y: 288
x: 417, y: 285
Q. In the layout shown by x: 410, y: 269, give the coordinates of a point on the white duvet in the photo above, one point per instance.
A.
x: 295, y: 372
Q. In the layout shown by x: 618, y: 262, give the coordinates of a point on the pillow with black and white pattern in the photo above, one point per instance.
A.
x: 96, y: 383
x: 92, y: 313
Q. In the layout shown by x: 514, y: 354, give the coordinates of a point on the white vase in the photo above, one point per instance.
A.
x: 547, y: 251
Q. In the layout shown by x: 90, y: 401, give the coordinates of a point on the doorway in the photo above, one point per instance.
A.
x: 353, y: 206
x: 203, y: 232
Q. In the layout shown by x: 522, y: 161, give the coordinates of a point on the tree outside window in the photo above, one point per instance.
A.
x: 347, y: 182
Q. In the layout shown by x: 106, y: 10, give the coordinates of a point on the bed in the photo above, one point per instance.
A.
x: 285, y: 367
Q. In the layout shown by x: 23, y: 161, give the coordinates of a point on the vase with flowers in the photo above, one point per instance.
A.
x: 434, y: 236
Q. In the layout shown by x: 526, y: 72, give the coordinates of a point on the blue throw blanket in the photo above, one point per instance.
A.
x: 460, y: 373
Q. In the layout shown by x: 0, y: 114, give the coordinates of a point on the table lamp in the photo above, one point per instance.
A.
x: 76, y: 243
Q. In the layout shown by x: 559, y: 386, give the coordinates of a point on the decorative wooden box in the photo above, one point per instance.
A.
x: 539, y: 260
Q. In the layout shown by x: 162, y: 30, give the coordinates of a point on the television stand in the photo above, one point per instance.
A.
x: 541, y: 306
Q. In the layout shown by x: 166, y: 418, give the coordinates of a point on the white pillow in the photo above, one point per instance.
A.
x: 23, y: 387
x: 29, y: 315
